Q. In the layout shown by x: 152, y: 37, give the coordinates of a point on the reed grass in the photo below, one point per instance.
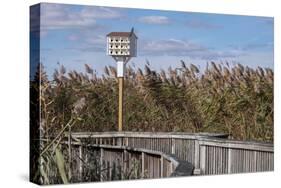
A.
x: 237, y: 100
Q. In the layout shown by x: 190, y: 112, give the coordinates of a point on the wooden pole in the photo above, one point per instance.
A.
x: 120, y: 103
x: 69, y: 152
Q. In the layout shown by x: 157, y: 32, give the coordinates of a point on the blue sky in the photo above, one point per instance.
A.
x: 74, y: 35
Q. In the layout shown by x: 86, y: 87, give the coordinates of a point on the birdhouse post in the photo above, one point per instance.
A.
x: 121, y: 46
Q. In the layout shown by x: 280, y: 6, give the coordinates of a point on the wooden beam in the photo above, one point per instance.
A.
x: 161, y: 166
x: 120, y: 103
x: 81, y: 161
x: 196, y: 158
x: 203, y: 159
x: 142, y: 164
x: 173, y: 146
x: 69, y: 153
x: 101, y: 164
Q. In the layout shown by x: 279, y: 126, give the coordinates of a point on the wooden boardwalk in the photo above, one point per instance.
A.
x: 106, y: 156
x: 131, y: 163
x: 208, y: 153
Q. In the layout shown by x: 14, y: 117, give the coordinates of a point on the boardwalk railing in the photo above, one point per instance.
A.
x: 220, y: 156
x: 123, y: 162
x: 208, y: 153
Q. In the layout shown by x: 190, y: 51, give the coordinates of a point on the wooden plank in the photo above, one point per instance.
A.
x: 203, y: 159
x: 161, y: 166
x: 81, y: 161
x: 173, y: 146
x: 142, y: 164
x: 237, y: 145
x: 211, y: 155
x: 101, y: 163
x: 69, y: 152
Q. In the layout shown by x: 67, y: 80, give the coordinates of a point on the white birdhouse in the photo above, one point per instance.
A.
x: 122, y: 46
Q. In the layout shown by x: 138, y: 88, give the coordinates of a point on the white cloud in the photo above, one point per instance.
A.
x: 169, y: 46
x: 200, y: 24
x: 254, y: 59
x: 57, y: 16
x: 174, y: 47
x: 93, y: 43
x: 100, y: 13
x: 154, y: 20
x: 97, y: 39
x: 73, y: 37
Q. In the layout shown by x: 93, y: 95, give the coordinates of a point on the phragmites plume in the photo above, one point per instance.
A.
x: 113, y: 72
x: 147, y: 70
x: 215, y: 67
x: 56, y: 75
x: 261, y: 71
x: 62, y: 69
x: 130, y: 71
x: 183, y: 64
x: 71, y: 75
x: 106, y: 71
x: 79, y: 105
x: 223, y: 97
x: 89, y: 70
x: 226, y: 72
x: 194, y: 68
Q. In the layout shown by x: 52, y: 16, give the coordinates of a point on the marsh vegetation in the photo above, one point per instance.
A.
x: 237, y: 100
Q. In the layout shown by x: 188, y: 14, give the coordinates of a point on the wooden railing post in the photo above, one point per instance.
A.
x: 100, y: 141
x: 125, y: 160
x: 197, y: 170
x: 101, y: 163
x: 171, y: 168
x: 203, y: 159
x: 255, y: 159
x: 126, y: 141
x: 142, y: 164
x: 229, y: 161
x: 113, y: 141
x: 119, y: 141
x: 197, y: 158
x: 69, y: 152
x: 173, y: 146
x: 161, y: 166
x: 81, y: 162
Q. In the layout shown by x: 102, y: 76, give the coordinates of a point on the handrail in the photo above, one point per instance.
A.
x: 248, y: 145
x: 176, y: 163
x: 147, y: 134
x: 207, y: 152
x: 218, y: 139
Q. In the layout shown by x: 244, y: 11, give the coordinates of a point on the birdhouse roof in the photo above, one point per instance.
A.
x: 121, y: 34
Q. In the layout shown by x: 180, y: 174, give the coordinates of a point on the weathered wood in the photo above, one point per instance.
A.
x: 161, y: 166
x: 81, y: 161
x: 202, y: 159
x: 229, y: 160
x: 119, y: 141
x: 173, y: 146
x: 209, y: 153
x: 120, y: 103
x: 101, y: 164
x: 236, y: 144
x: 69, y: 152
x: 147, y: 135
x: 142, y: 164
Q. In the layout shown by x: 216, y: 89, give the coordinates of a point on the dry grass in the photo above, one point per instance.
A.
x: 236, y: 100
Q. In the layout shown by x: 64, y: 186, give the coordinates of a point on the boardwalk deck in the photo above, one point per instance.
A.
x: 209, y: 153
